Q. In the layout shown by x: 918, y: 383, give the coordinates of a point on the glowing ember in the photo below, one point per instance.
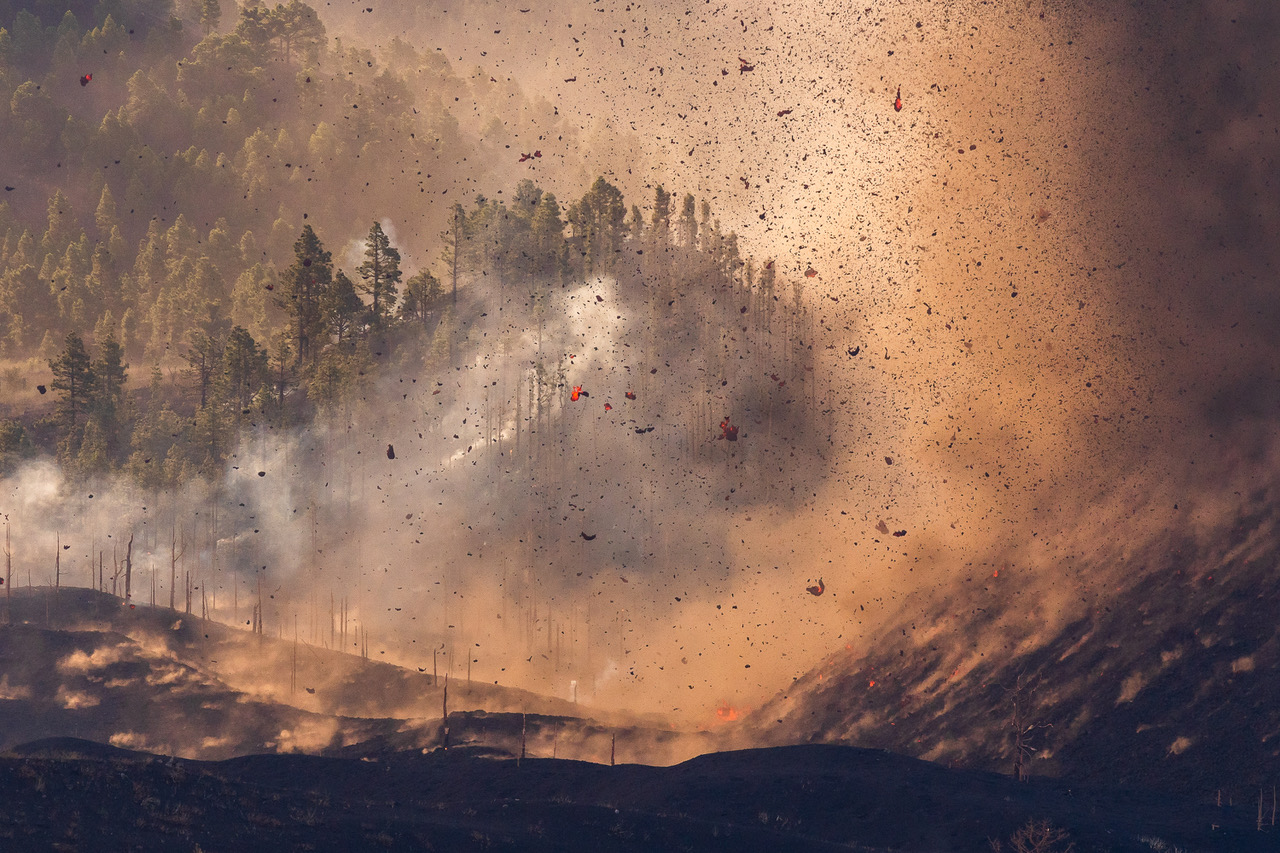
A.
x: 608, y: 408
x: 728, y: 431
x: 819, y: 589
x: 84, y: 79
x: 810, y: 272
x: 631, y: 395
x: 897, y: 101
x: 577, y: 392
x: 726, y: 713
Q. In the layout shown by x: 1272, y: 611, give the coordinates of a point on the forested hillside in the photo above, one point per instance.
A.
x: 203, y: 215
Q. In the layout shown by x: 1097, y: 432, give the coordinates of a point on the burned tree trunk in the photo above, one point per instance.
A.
x: 8, y: 574
x: 174, y: 556
x: 444, y: 718
x: 128, y: 571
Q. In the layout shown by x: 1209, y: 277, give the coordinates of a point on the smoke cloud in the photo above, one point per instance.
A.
x: 1055, y: 266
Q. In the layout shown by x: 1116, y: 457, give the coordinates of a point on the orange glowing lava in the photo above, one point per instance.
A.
x: 728, y: 431
x: 577, y: 392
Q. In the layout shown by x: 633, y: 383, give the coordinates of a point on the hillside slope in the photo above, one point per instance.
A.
x: 1163, y: 677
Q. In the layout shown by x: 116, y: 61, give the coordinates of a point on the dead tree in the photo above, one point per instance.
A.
x: 174, y: 556
x: 128, y: 571
x: 1021, y: 697
x: 8, y: 574
x: 444, y: 719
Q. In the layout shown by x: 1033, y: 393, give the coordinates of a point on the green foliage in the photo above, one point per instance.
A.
x: 380, y: 273
x: 72, y: 381
x: 15, y: 445
x: 597, y: 223
x: 302, y: 289
x: 244, y: 370
x: 210, y: 15
x: 423, y: 294
x: 176, y: 182
x: 342, y: 307
x: 107, y: 402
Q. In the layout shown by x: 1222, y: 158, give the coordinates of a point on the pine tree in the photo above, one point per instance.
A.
x: 342, y: 307
x: 106, y: 410
x: 244, y: 370
x: 303, y: 286
x: 210, y: 16
x: 597, y: 221
x: 105, y: 217
x: 73, y: 378
x: 203, y: 357
x: 454, y: 240
x: 688, y: 225
x: 661, y: 214
x: 422, y: 294
x: 380, y: 273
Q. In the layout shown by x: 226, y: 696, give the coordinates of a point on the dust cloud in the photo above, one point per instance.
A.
x: 1053, y: 266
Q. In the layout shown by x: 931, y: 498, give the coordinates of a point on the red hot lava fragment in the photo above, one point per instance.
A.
x: 728, y: 431
x: 819, y: 589
x: 577, y: 392
x: 897, y: 101
x: 630, y: 395
x: 85, y: 78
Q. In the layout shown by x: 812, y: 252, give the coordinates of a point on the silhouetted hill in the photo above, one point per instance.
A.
x: 1166, y: 680
x: 792, y: 798
x: 80, y: 663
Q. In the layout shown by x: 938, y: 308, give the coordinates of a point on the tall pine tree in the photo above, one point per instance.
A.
x: 73, y: 379
x: 303, y: 287
x: 380, y: 273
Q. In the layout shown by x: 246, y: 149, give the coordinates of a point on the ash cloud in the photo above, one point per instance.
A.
x: 1054, y: 264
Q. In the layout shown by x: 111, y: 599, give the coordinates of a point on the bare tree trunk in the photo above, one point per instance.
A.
x: 444, y: 719
x: 173, y: 566
x: 8, y: 574
x: 128, y: 570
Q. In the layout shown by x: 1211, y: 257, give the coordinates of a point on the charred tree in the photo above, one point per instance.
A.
x: 174, y: 556
x: 444, y: 717
x: 8, y: 574
x: 128, y: 571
